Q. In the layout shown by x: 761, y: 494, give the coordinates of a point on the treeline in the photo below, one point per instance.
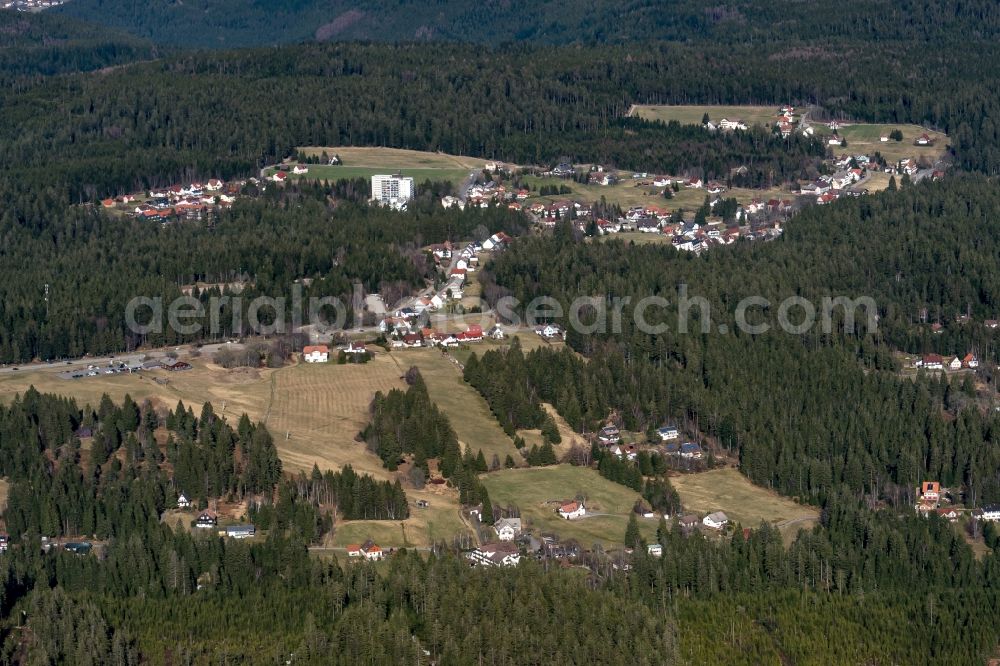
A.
x: 408, y: 423
x: 355, y: 496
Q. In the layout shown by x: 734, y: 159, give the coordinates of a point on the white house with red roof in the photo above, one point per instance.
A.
x: 572, y: 510
x: 315, y: 353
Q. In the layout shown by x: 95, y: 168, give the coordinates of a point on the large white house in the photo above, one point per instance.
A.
x: 392, y: 190
x: 316, y: 354
x: 990, y: 513
x: 715, y: 520
x: 507, y: 529
x: 668, y: 433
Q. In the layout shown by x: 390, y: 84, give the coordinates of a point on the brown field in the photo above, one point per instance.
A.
x: 729, y: 491
x: 565, y: 432
x: 692, y: 114
x: 395, y: 158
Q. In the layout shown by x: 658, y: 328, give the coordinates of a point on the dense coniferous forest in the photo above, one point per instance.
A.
x: 224, y: 23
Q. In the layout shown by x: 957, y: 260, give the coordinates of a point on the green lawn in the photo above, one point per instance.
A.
x: 537, y: 491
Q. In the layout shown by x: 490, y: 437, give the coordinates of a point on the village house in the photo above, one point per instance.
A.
x: 315, y: 353
x: 930, y: 491
x: 955, y: 364
x: 300, y: 169
x: 667, y: 433
x: 716, y: 520
x: 206, y: 519
x: 732, y: 124
x: 654, y: 549
x: 989, y: 513
x: 691, y: 450
x: 970, y: 361
x: 369, y: 550
x: 356, y: 348
x: 688, y: 522
x: 240, y: 531
x: 932, y: 362
x: 279, y: 176
x: 507, y: 529
x: 948, y: 513
x: 609, y: 434
x: 572, y: 510
x: 183, y: 502
x: 503, y: 554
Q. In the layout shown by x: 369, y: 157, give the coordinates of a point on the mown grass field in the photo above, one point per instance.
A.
x: 538, y: 491
x: 398, y: 158
x: 419, y: 175
x: 865, y: 138
x: 693, y: 114
x: 367, y: 162
x: 729, y: 491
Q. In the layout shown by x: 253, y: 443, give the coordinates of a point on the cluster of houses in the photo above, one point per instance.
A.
x: 610, y: 437
x: 30, y: 5
x: 930, y: 494
x: 209, y: 520
x: 194, y: 200
x: 754, y: 221
x: 937, y: 362
x: 281, y: 174
x: 405, y: 338
x: 321, y: 353
x: 785, y: 123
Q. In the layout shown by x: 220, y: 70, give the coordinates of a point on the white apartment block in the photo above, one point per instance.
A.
x: 392, y: 191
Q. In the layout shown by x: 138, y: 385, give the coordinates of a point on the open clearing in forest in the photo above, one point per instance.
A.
x: 692, y: 114
x: 538, y: 492
x: 360, y: 162
x: 729, y: 491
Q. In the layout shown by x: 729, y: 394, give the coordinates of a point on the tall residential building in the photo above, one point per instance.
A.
x: 392, y: 191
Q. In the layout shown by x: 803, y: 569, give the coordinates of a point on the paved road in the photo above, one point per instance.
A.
x: 463, y: 189
x: 130, y: 358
